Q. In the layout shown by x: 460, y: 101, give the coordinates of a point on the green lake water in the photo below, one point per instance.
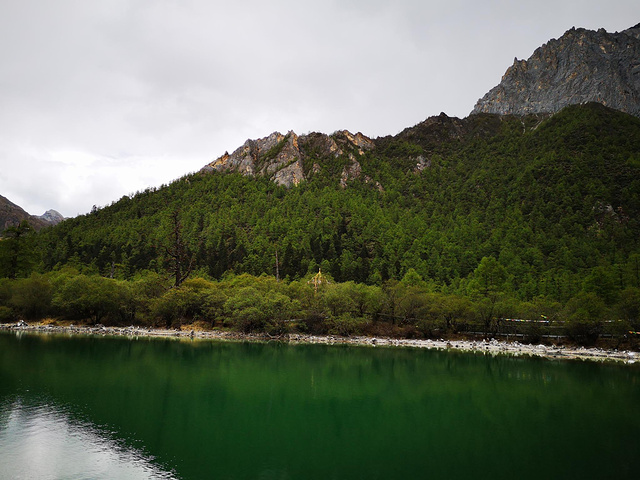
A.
x: 98, y: 408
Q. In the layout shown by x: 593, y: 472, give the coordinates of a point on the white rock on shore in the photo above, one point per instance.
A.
x: 492, y: 347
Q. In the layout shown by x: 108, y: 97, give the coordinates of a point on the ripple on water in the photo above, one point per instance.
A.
x: 43, y: 441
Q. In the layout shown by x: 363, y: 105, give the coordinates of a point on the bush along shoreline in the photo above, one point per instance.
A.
x: 409, y: 309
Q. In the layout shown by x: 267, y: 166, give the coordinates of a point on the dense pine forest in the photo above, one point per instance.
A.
x: 453, y: 225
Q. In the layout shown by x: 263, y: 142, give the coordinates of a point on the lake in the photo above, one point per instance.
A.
x: 118, y: 408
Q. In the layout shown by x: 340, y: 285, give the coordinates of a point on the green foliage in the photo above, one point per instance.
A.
x: 488, y: 279
x: 251, y: 304
x: 183, y: 304
x: 31, y: 297
x: 602, y: 281
x: 250, y: 310
x: 337, y: 299
x: 452, y: 313
x: 17, y: 251
x: 505, y: 211
x: 98, y: 299
x: 6, y: 314
x: 412, y: 278
x: 629, y: 306
x: 5, y: 291
x: 345, y: 325
x: 585, y: 315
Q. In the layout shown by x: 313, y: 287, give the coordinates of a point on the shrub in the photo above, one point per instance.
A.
x: 585, y: 315
x: 5, y: 291
x: 628, y: 306
x: 31, y: 297
x: 213, y: 305
x: 184, y: 303
x: 345, y: 325
x: 146, y: 288
x: 94, y: 298
x: 249, y: 310
x: 337, y: 299
x: 6, y: 315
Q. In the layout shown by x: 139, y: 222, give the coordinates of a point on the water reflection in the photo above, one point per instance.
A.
x: 203, y: 410
x: 41, y: 440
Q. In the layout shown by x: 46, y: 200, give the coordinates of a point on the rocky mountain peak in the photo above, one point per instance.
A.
x: 11, y: 215
x: 581, y: 66
x: 52, y: 216
x: 282, y: 158
x: 633, y: 31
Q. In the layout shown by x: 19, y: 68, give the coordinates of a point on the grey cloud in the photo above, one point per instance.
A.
x: 152, y: 89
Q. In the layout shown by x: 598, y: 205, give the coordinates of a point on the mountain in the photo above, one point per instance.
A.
x: 11, y: 215
x: 554, y: 199
x: 581, y: 66
x: 546, y: 189
x: 290, y: 159
x: 457, y: 223
x: 52, y: 217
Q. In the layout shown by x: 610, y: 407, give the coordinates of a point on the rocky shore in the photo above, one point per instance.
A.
x: 489, y: 347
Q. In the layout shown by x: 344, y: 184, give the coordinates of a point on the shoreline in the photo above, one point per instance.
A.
x: 491, y: 347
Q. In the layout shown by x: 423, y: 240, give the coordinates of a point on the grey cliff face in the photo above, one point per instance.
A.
x: 52, y: 216
x: 282, y: 158
x: 581, y: 66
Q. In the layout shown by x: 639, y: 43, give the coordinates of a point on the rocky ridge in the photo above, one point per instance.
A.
x: 11, y: 215
x: 581, y: 66
x: 290, y: 159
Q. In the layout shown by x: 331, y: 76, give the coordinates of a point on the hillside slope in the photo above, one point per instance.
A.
x: 554, y: 199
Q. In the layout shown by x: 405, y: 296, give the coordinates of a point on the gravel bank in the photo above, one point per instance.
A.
x: 491, y: 347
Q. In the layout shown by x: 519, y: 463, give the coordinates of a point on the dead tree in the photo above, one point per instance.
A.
x: 180, y: 259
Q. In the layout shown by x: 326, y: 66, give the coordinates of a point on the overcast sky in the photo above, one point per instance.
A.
x: 99, y: 99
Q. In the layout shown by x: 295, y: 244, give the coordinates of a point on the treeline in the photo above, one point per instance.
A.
x: 407, y: 308
x: 550, y: 206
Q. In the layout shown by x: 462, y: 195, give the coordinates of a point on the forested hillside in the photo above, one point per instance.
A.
x: 531, y: 207
x: 550, y: 200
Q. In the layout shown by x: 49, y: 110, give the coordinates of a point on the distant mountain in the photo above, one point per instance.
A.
x: 11, y: 215
x: 52, y: 216
x: 581, y: 66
